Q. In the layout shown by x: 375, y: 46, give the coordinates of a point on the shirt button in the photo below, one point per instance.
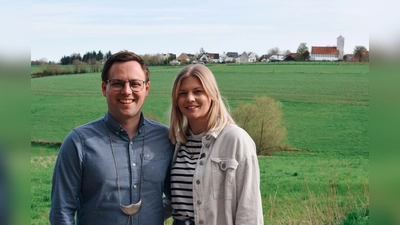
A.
x: 130, y: 142
x: 133, y: 164
x: 201, y: 163
x: 198, y: 202
x: 223, y: 165
x: 134, y: 186
x: 122, y: 129
x: 207, y: 145
x: 197, y: 181
x: 201, y: 221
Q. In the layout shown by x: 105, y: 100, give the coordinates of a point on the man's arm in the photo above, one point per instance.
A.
x: 66, y: 181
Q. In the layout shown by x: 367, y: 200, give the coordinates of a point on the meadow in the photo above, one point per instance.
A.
x: 325, y: 112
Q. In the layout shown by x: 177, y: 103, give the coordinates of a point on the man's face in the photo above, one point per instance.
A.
x: 125, y: 105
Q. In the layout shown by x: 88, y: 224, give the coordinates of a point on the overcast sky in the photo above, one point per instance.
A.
x: 61, y: 28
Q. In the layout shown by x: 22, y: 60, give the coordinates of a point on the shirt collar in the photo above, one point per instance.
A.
x: 116, y: 128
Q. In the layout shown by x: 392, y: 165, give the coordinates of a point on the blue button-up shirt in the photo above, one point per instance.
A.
x: 85, y: 175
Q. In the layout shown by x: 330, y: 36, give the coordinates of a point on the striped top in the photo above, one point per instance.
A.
x: 182, y: 177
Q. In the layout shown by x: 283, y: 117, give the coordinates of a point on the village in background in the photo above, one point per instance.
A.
x: 317, y: 54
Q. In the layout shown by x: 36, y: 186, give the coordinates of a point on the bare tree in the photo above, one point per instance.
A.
x: 286, y: 52
x: 302, y: 53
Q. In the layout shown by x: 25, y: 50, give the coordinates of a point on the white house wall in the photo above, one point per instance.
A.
x: 315, y: 57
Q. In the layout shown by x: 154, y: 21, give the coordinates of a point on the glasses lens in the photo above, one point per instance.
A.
x: 118, y: 85
x: 136, y: 85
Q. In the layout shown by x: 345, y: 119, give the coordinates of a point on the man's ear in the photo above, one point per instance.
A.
x: 147, y: 88
x: 103, y: 88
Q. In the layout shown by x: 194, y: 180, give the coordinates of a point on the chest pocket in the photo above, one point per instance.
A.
x: 155, y: 167
x: 224, y: 177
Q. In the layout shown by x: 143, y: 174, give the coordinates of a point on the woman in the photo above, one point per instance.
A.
x: 215, y: 175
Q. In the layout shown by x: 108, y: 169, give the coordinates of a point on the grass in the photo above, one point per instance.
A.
x: 326, y: 114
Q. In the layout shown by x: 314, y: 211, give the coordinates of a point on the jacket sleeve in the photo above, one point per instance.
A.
x: 66, y: 181
x: 249, y: 206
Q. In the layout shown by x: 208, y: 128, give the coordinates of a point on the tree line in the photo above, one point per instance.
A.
x: 88, y: 57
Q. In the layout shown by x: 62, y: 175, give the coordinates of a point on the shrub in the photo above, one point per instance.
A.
x: 359, y: 217
x: 263, y: 121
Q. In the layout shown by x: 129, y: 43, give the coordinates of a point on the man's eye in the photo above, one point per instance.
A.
x: 118, y: 84
x: 135, y: 84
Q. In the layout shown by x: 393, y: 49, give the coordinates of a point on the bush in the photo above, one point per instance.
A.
x: 263, y: 121
x: 360, y: 217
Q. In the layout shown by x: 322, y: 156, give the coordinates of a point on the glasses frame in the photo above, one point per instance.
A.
x: 126, y: 81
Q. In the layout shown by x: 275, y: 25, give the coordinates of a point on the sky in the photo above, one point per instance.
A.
x: 61, y: 28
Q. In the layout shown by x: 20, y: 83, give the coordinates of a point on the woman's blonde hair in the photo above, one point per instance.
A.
x: 218, y: 115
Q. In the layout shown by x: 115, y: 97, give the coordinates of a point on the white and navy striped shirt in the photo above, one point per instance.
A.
x: 182, y: 177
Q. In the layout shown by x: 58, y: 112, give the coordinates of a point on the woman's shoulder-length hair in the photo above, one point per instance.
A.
x: 218, y: 115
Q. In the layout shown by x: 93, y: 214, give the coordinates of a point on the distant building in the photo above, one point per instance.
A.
x: 243, y: 58
x: 209, y: 57
x: 169, y: 55
x: 290, y: 57
x: 319, y: 53
x: 246, y: 57
x: 276, y: 58
x: 228, y: 57
x: 185, y: 57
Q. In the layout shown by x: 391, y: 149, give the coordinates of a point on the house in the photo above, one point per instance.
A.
x: 290, y: 57
x: 228, y: 57
x: 243, y: 58
x: 185, y: 57
x: 324, y: 53
x: 276, y: 58
x: 350, y: 57
x: 354, y: 58
x: 209, y: 57
x: 169, y: 56
x: 320, y: 53
x: 252, y: 57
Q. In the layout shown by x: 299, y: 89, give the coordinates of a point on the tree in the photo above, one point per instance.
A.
x: 263, y: 122
x: 286, y: 52
x: 360, y: 53
x: 302, y: 53
x: 108, y: 55
x: 99, y: 56
x: 273, y: 51
x: 200, y: 53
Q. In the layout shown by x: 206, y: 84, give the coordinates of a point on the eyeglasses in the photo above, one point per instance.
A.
x: 118, y: 85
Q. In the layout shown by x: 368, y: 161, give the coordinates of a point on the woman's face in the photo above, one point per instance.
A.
x: 193, y: 101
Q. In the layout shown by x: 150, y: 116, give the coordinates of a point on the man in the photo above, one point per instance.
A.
x: 115, y: 170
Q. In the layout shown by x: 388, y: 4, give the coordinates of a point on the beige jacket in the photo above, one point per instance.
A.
x: 226, y: 182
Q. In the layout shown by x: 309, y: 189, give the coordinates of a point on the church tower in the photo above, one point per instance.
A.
x: 340, y: 47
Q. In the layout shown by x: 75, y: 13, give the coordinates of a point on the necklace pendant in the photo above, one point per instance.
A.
x: 191, y: 155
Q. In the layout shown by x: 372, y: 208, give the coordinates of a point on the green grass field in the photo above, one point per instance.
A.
x: 325, y: 112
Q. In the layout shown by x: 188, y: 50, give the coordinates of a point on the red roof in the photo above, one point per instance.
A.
x: 324, y: 50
